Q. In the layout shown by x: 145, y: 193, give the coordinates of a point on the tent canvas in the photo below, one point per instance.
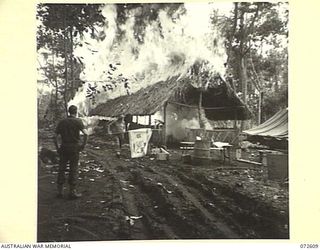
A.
x: 276, y: 127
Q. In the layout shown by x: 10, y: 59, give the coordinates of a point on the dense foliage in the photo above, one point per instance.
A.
x: 59, y: 25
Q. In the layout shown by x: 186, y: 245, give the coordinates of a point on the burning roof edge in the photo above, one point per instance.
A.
x: 219, y: 100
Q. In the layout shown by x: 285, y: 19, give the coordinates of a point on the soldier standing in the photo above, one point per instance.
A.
x: 69, y: 131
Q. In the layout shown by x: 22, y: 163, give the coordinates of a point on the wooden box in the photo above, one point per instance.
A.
x: 277, y: 166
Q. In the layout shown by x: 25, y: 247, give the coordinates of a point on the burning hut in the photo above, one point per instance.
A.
x: 218, y: 102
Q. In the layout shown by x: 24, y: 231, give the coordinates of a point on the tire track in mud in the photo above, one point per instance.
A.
x: 194, y: 200
x: 249, y: 217
x: 169, y: 214
x: 258, y: 218
x: 214, y: 201
x: 122, y: 198
x: 133, y: 201
x: 177, y: 209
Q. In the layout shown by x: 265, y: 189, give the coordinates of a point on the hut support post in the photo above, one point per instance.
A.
x: 235, y: 121
x: 260, y: 107
x: 235, y: 128
x: 149, y: 120
x: 201, y: 123
x: 165, y: 123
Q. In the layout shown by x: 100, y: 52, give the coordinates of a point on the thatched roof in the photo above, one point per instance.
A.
x: 219, y: 100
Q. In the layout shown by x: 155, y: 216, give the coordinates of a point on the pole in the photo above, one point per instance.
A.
x: 199, y: 107
x: 165, y: 123
x: 201, y: 123
x: 259, y: 108
x: 261, y: 103
x: 149, y: 120
x: 235, y: 128
x: 235, y: 120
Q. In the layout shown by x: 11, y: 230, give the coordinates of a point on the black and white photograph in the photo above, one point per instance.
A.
x: 162, y: 121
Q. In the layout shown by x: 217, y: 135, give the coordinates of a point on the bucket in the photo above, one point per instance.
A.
x: 201, y: 152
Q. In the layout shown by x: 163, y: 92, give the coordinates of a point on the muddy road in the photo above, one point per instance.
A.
x: 145, y: 199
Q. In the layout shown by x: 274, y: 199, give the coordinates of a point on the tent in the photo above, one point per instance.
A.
x: 276, y: 127
x: 273, y: 132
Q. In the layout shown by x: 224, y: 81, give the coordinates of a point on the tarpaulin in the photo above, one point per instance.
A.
x: 275, y: 127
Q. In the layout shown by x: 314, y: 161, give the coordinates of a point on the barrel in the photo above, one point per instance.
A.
x: 201, y: 152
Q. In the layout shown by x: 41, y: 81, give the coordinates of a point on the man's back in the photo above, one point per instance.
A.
x: 69, y: 129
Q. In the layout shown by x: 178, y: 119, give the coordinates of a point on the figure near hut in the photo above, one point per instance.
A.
x: 68, y: 131
x: 119, y: 130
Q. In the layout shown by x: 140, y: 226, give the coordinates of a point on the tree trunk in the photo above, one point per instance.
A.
x: 244, y: 87
x: 243, y: 79
x: 242, y: 64
x: 201, y: 118
x: 276, y: 81
x: 65, y: 92
x: 72, y: 84
x: 56, y: 108
x: 259, y: 107
x: 262, y: 119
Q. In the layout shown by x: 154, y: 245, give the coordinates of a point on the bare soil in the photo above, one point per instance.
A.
x: 145, y: 199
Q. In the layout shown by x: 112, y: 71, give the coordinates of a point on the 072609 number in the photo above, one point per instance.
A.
x: 309, y: 246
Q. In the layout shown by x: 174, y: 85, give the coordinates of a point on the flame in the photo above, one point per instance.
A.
x: 171, y: 45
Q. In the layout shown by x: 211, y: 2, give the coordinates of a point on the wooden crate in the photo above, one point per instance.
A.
x: 277, y: 166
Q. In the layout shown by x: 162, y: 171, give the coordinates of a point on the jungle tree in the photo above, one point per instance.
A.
x: 60, y: 25
x: 249, y: 30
